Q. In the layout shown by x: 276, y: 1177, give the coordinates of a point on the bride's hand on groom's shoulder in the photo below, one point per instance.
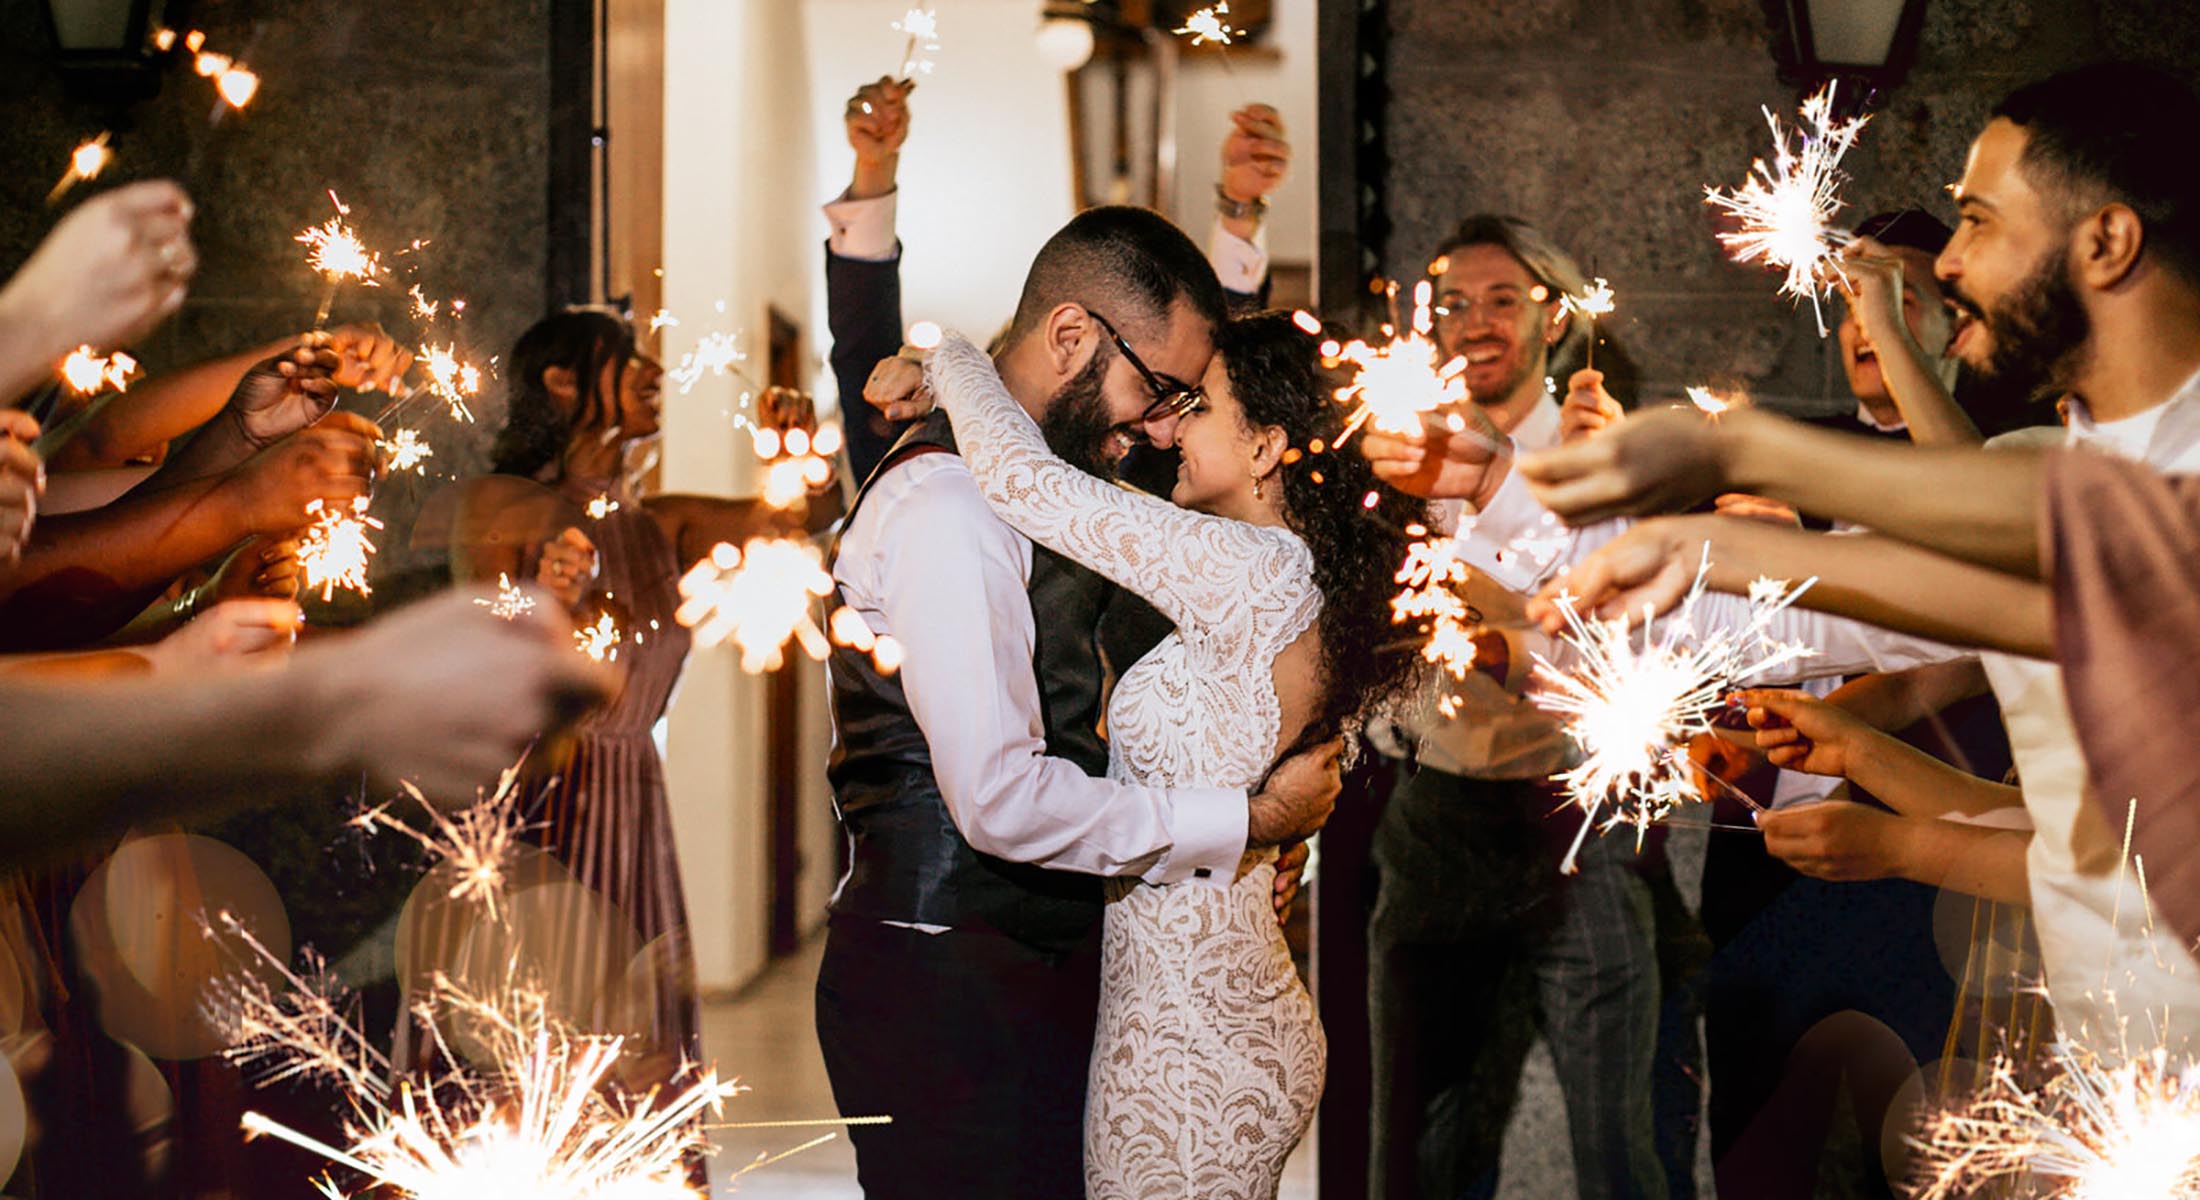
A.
x: 897, y: 388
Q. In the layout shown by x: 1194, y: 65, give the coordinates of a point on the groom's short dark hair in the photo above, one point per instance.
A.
x: 1129, y: 264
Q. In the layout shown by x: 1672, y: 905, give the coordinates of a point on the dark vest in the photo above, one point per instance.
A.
x: 908, y: 862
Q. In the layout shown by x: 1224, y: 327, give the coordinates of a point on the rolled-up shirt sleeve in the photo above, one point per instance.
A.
x: 863, y: 229
x: 1241, y: 264
x: 947, y: 579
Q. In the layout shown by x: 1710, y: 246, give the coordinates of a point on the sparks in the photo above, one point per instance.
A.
x: 422, y: 307
x: 1431, y: 577
x: 85, y: 163
x: 926, y: 335
x: 474, y: 846
x: 336, y: 253
x: 848, y: 628
x: 88, y: 372
x: 237, y: 86
x: 602, y: 506
x: 662, y: 319
x: 2096, y: 1130
x: 1400, y: 381
x: 1207, y: 25
x: 1784, y: 212
x: 335, y: 549
x: 1627, y: 706
x: 1708, y: 401
x: 406, y: 451
x: 510, y: 602
x: 1592, y: 301
x: 599, y: 641
x: 759, y: 595
x: 922, y: 28
x: 715, y: 353
x: 450, y: 379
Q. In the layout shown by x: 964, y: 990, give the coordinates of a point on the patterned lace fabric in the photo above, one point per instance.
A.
x: 1209, y: 1057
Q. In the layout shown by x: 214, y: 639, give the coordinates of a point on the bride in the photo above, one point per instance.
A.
x: 1277, y: 574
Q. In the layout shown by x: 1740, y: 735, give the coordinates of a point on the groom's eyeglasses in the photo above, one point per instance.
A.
x: 1173, y: 398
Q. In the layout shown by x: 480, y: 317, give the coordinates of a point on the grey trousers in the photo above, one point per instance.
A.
x: 1476, y: 945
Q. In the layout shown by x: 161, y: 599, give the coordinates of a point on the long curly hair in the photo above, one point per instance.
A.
x: 536, y: 430
x: 1276, y: 373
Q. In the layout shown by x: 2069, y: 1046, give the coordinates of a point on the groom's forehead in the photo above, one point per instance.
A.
x: 1187, y: 344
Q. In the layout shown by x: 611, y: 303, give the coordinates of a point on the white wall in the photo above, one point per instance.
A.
x: 1207, y: 94
x: 737, y: 137
x: 985, y: 175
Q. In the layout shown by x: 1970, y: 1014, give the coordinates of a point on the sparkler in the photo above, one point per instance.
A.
x: 406, y: 451
x: 760, y: 595
x: 922, y: 25
x: 715, y: 353
x: 1593, y: 301
x: 1628, y: 706
x: 337, y: 254
x: 807, y: 463
x: 511, y: 601
x: 1431, y: 574
x: 1207, y: 25
x: 1708, y: 401
x: 602, y: 506
x: 599, y: 641
x: 2095, y: 1131
x: 1785, y: 211
x: 1399, y: 381
x: 450, y: 379
x: 237, y: 86
x: 88, y: 372
x: 85, y: 163
x: 476, y: 844
x: 335, y: 548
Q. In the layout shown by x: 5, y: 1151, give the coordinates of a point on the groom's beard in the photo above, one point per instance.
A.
x: 1076, y: 424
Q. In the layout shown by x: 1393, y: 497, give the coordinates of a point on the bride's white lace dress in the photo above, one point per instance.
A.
x: 1208, y: 1061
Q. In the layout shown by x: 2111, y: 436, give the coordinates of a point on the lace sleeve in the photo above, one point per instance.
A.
x: 1202, y: 572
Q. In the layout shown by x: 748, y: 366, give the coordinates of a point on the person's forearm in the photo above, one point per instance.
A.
x: 1968, y: 504
x: 1895, y: 700
x: 1966, y: 858
x: 160, y: 409
x: 90, y: 760
x: 1932, y: 415
x: 28, y: 355
x: 1916, y: 784
x: 874, y: 177
x: 1884, y: 583
x: 86, y: 574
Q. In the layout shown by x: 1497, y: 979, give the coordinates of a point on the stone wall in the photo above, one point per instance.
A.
x: 431, y: 119
x: 1603, y: 121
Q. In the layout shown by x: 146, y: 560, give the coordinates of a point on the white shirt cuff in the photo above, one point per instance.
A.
x: 1241, y: 265
x: 863, y: 229
x: 1208, y: 828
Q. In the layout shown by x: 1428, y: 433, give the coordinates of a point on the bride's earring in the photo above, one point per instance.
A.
x: 1256, y: 485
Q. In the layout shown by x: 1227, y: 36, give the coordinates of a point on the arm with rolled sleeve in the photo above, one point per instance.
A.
x: 950, y: 582
x: 1242, y: 266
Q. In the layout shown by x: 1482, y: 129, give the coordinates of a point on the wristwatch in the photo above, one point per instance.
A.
x: 1238, y: 210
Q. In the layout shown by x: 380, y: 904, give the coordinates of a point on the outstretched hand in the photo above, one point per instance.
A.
x: 109, y: 272
x: 1800, y: 732
x: 22, y: 481
x: 1440, y: 462
x: 1656, y: 461
x: 281, y: 395
x: 1643, y: 572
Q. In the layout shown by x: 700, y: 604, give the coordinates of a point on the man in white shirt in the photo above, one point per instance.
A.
x: 960, y: 979
x: 2078, y: 269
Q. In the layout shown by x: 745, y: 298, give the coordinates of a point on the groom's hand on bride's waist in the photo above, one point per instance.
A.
x: 1297, y: 797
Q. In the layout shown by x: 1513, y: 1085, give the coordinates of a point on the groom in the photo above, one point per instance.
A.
x: 961, y: 973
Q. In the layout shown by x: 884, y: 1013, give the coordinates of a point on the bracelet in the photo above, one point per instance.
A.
x: 1239, y: 210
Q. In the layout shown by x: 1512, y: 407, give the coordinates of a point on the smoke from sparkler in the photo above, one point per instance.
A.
x: 1784, y: 212
x: 335, y: 549
x: 88, y: 372
x: 1628, y: 706
x: 1400, y: 381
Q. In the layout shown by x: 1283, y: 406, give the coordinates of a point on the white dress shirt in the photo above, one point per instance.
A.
x: 2097, y: 933
x: 927, y: 561
x: 863, y: 229
x: 1241, y: 265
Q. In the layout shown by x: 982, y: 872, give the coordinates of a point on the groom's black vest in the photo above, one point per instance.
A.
x: 908, y: 861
